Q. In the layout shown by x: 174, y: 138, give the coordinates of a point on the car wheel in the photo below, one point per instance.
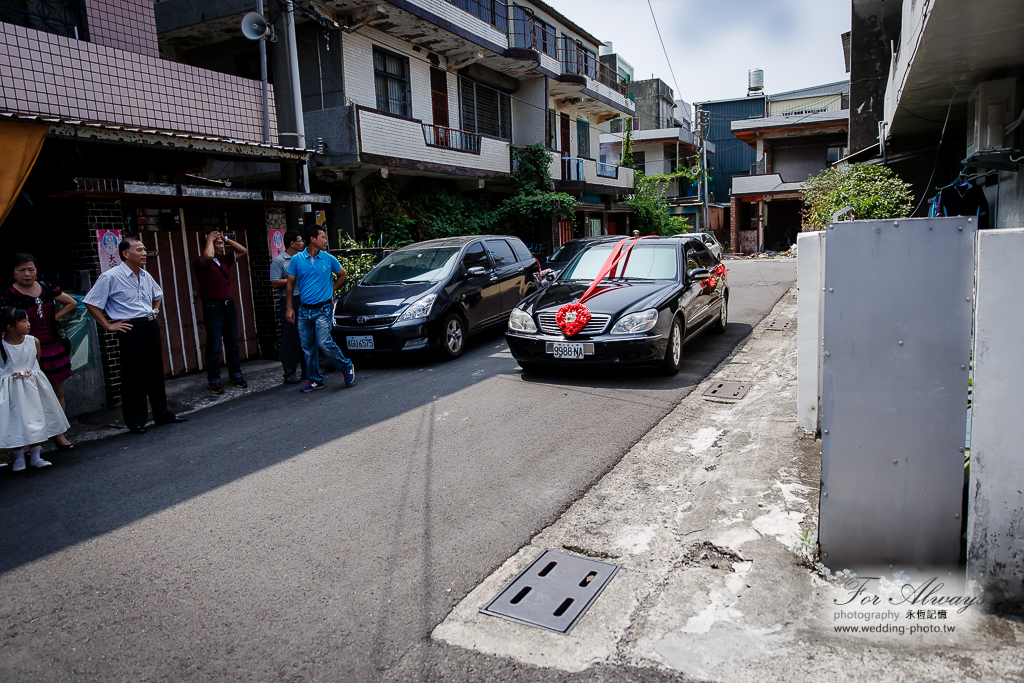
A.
x: 723, y: 317
x: 453, y: 336
x: 674, y: 352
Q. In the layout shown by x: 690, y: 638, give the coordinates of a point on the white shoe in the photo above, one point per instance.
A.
x: 19, y: 465
x: 39, y: 463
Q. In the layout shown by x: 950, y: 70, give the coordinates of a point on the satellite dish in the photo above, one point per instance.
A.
x: 254, y: 26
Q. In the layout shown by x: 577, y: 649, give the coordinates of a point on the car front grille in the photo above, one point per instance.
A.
x: 367, y: 320
x: 598, y: 323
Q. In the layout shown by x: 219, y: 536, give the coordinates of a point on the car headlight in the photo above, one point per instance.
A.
x: 521, y: 321
x: 636, y: 322
x: 419, y: 309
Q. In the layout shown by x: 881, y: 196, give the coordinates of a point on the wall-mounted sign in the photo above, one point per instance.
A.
x: 106, y: 247
x: 276, y: 238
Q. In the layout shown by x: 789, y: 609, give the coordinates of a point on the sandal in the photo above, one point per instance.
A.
x: 64, y: 446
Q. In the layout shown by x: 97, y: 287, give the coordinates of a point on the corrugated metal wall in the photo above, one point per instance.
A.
x: 733, y: 156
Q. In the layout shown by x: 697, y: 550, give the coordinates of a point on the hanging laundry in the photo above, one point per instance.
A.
x: 961, y: 198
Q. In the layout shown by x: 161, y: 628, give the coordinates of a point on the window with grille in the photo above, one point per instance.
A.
x: 485, y: 110
x: 582, y: 138
x: 59, y: 17
x: 391, y: 78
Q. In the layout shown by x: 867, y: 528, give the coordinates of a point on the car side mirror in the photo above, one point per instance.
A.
x: 698, y: 274
x: 475, y: 271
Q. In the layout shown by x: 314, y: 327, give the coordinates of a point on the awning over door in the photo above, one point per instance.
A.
x: 20, y: 143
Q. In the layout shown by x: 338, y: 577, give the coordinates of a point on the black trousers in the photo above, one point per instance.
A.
x: 142, y: 373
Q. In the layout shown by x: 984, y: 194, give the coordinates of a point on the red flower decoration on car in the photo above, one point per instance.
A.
x: 720, y: 270
x: 708, y: 284
x: 571, y: 318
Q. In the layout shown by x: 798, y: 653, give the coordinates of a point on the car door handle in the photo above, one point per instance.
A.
x: 520, y: 270
x: 494, y: 278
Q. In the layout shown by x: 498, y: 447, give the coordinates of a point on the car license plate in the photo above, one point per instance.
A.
x: 567, y: 351
x: 364, y: 342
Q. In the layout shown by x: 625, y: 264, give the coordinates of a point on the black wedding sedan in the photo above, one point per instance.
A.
x: 433, y: 295
x: 641, y: 315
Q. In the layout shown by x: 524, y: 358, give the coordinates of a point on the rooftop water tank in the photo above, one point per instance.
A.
x: 755, y: 82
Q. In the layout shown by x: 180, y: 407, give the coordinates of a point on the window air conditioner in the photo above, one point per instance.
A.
x: 989, y: 109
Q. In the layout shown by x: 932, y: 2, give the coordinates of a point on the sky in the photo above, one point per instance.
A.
x: 713, y: 43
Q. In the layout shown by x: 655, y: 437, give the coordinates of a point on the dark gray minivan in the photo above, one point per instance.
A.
x: 433, y: 295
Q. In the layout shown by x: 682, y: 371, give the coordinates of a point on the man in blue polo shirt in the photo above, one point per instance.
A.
x: 313, y: 269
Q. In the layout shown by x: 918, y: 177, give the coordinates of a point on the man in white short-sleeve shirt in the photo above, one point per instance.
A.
x: 126, y: 301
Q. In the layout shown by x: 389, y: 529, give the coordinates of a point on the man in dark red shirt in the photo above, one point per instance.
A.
x: 215, y: 271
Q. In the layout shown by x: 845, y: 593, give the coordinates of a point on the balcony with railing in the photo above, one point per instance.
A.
x: 451, y: 138
x: 401, y: 142
x: 526, y: 32
x: 607, y: 171
x: 578, y: 172
x: 578, y: 61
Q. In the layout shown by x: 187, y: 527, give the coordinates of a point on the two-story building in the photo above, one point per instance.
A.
x: 427, y: 88
x: 105, y: 138
x: 804, y: 133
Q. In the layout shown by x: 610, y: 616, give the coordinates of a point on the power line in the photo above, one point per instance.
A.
x: 669, y: 61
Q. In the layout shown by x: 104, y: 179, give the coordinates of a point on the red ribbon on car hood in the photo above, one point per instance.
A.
x: 573, y: 317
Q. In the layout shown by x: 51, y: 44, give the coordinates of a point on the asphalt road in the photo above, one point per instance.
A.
x: 322, y: 537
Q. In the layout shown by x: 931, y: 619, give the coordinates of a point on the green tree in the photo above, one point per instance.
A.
x: 650, y: 205
x: 874, y: 192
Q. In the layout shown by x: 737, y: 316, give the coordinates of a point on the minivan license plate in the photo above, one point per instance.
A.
x: 364, y: 342
x: 568, y: 351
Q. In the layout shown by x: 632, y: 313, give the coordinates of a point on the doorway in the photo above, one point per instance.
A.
x: 439, y: 104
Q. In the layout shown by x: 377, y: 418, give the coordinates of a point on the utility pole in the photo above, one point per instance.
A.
x: 704, y: 157
x: 293, y: 58
x: 701, y: 163
x: 263, y: 78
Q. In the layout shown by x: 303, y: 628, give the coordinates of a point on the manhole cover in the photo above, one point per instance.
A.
x: 553, y: 592
x: 779, y: 325
x: 729, y: 391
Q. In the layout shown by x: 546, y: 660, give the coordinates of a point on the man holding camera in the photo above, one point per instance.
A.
x: 215, y: 271
x: 313, y: 270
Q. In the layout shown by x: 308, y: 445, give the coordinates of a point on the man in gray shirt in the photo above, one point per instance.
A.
x: 291, y: 350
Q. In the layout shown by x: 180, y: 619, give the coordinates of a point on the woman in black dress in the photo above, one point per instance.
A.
x: 45, y: 305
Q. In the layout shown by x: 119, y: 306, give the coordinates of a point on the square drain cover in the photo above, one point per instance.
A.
x: 553, y: 592
x: 779, y: 325
x: 729, y: 391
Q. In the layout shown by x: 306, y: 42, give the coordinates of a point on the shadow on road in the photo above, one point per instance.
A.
x: 106, y: 484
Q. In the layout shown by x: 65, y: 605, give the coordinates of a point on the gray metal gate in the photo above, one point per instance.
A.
x: 897, y: 342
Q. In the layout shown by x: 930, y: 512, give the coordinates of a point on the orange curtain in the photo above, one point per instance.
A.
x: 20, y: 143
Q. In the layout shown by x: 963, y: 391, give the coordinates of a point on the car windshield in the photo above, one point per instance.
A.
x: 645, y: 262
x: 413, y: 265
x: 567, y: 251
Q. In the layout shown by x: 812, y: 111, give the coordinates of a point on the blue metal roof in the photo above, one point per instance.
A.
x: 732, y: 156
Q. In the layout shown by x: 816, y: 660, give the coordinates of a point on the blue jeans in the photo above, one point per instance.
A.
x: 221, y: 321
x: 315, y: 331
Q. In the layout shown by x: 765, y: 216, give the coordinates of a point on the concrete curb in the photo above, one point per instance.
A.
x: 701, y: 514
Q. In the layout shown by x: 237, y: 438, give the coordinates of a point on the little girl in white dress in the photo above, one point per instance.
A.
x: 29, y: 411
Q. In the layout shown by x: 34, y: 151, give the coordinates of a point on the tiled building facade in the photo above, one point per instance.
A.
x: 128, y: 136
